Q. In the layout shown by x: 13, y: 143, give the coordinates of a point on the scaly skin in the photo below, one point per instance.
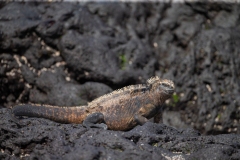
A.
x: 122, y: 109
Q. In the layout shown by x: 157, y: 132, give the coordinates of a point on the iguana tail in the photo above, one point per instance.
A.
x: 58, y: 114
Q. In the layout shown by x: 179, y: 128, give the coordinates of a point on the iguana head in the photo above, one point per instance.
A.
x: 161, y: 86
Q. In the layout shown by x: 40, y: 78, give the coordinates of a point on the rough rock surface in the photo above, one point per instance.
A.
x: 32, y: 138
x: 67, y: 54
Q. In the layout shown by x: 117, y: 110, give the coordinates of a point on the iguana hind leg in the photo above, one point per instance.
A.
x: 95, y: 120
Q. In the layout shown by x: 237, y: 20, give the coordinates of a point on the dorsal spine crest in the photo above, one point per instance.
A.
x: 125, y: 90
x: 153, y: 80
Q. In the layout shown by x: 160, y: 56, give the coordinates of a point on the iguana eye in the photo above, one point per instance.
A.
x: 166, y: 85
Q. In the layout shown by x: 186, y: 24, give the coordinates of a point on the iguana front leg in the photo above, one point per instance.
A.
x: 148, y: 110
x: 140, y: 119
x: 95, y: 120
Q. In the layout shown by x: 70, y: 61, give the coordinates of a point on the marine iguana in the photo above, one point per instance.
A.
x: 122, y: 109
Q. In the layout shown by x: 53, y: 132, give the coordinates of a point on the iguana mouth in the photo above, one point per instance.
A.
x: 169, y: 91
